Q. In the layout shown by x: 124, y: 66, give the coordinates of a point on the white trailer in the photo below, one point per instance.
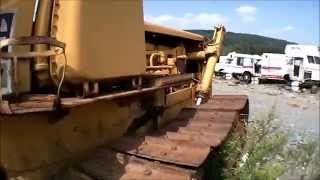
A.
x: 274, y: 67
x: 241, y: 66
x: 304, y: 66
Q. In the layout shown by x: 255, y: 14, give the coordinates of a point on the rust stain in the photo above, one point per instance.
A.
x: 108, y: 164
x: 191, y: 137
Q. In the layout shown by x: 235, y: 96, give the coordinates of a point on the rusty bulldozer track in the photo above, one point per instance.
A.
x: 177, y: 151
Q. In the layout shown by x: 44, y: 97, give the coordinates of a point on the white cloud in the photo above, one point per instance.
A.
x: 278, y: 32
x: 188, y: 20
x: 287, y: 28
x: 248, y: 18
x: 247, y: 13
x: 246, y: 9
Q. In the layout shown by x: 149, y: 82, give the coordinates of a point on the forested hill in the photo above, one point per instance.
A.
x: 248, y: 43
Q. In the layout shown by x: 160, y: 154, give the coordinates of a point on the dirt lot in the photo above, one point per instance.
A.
x: 297, y: 112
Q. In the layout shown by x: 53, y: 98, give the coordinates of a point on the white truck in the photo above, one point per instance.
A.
x: 274, y: 67
x: 240, y: 66
x: 304, y: 66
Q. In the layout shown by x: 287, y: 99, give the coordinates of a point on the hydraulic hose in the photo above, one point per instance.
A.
x: 213, y: 52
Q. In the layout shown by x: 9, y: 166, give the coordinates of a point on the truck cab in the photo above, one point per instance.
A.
x: 241, y: 66
x: 304, y: 65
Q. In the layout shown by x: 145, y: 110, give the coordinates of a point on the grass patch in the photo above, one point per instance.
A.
x: 267, y: 152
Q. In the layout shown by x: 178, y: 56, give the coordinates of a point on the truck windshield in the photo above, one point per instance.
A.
x: 240, y: 61
x: 229, y: 61
x: 297, y: 58
x: 310, y: 59
x: 317, y: 59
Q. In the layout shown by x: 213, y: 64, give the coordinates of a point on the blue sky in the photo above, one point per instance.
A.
x: 292, y: 20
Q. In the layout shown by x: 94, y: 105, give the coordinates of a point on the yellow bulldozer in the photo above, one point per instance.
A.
x: 91, y: 91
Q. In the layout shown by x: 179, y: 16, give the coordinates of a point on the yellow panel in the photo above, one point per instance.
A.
x: 179, y: 96
x: 105, y: 39
x: 172, y: 112
x: 172, y: 32
x: 175, y: 102
x: 30, y: 142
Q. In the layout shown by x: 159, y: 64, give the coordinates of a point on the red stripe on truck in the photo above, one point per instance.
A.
x: 266, y: 67
x: 272, y: 77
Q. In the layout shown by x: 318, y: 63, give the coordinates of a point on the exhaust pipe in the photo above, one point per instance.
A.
x: 42, y: 28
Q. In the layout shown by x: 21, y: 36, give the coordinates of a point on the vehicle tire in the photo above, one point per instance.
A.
x: 287, y: 78
x: 223, y: 76
x: 314, y: 89
x: 246, y: 77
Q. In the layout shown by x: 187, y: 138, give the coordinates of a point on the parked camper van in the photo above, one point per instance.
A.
x: 304, y: 65
x: 274, y: 67
x: 241, y: 66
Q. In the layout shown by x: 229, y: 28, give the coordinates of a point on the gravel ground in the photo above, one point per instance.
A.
x: 297, y: 112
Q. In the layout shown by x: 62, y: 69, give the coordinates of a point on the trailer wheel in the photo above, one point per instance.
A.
x: 314, y: 89
x: 246, y: 77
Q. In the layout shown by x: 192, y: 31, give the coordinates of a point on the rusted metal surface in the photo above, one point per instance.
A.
x: 168, y: 153
x: 149, y: 27
x: 188, y: 143
x: 227, y: 102
x: 173, y: 79
x: 189, y: 139
x: 207, y: 139
x: 44, y: 103
x: 166, y: 150
x: 32, y: 40
x: 210, y: 128
x: 110, y: 165
x: 176, y: 151
x: 28, y: 104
